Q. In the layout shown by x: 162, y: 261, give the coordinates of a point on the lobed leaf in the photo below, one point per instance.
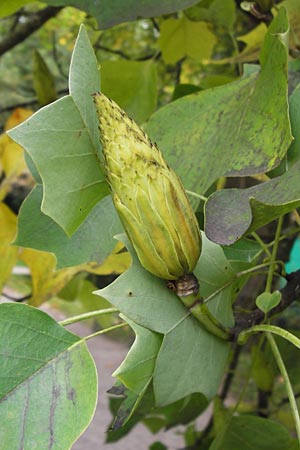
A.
x: 229, y: 130
x: 231, y: 213
x: 182, y: 37
x: 145, y: 300
x: 136, y: 372
x: 62, y: 140
x: 93, y: 240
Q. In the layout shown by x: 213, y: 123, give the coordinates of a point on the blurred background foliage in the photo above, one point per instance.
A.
x: 144, y: 63
x: 203, y: 46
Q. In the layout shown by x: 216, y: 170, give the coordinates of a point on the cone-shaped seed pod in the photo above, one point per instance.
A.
x: 148, y: 196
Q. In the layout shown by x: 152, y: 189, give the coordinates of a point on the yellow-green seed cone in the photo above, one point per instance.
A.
x: 148, y: 196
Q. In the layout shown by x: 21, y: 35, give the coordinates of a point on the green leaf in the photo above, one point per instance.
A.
x: 218, y: 12
x: 290, y: 353
x: 111, y: 12
x: 92, y: 242
x: 267, y: 301
x: 293, y: 153
x: 131, y: 84
x: 181, y: 90
x: 158, y: 446
x: 48, y: 385
x: 293, y: 9
x: 129, y: 404
x: 263, y: 369
x: 136, y: 372
x: 62, y: 140
x: 232, y: 121
x: 9, y: 7
x: 43, y: 80
x: 252, y: 433
x: 182, y: 37
x: 184, y: 411
x: 146, y: 300
x: 190, y: 360
x: 231, y: 213
x: 243, y: 250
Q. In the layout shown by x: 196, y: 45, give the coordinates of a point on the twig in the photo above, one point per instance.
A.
x: 36, y: 21
x: 124, y: 55
x: 88, y: 315
x: 28, y: 103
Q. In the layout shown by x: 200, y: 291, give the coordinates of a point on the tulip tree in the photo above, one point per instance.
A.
x: 230, y: 130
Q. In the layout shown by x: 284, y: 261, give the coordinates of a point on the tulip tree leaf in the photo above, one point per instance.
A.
x: 231, y: 213
x: 62, y: 140
x: 112, y: 12
x: 254, y: 433
x: 48, y: 384
x: 136, y: 372
x: 182, y: 358
x: 230, y: 124
x: 132, y: 85
x: 92, y: 241
x: 46, y: 282
x: 182, y: 37
x: 145, y: 300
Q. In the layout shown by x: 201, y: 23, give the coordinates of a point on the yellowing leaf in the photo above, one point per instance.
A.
x: 46, y: 282
x: 182, y: 37
x: 253, y: 40
x: 8, y: 252
x: 12, y: 161
x: 12, y: 157
x: 17, y: 116
x: 9, y: 7
x: 117, y: 262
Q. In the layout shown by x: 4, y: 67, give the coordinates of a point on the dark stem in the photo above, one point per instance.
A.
x: 16, y: 299
x: 262, y: 403
x: 28, y: 103
x: 231, y: 371
x: 36, y: 21
x: 124, y: 55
